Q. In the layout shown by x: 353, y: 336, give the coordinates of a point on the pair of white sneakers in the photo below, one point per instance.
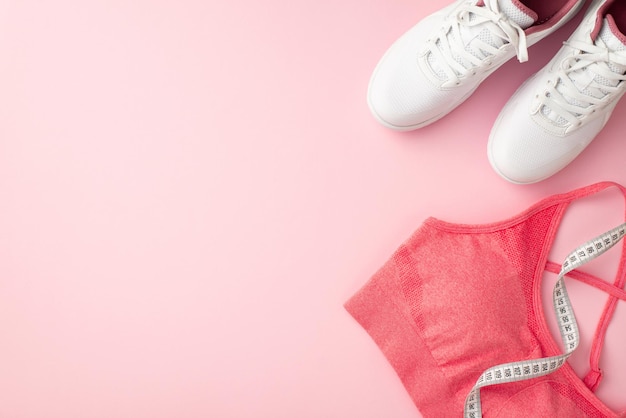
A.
x: 551, y: 118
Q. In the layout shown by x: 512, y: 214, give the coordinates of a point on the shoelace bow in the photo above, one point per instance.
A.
x: 596, y: 59
x: 449, y: 44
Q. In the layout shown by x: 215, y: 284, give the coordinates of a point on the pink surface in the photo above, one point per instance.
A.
x: 191, y: 190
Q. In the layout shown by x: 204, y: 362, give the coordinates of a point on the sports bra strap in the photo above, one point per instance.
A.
x: 589, y: 191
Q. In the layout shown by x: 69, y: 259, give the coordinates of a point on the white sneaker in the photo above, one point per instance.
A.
x: 557, y: 112
x: 439, y: 63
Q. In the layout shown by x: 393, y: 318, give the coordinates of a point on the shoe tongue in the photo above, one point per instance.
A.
x: 611, y: 36
x: 514, y: 10
x: 518, y: 13
x: 614, y: 40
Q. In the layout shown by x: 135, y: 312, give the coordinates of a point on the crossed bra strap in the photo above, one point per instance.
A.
x: 594, y: 376
x: 590, y: 280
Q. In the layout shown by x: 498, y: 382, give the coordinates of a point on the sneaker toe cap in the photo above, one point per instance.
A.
x: 401, y: 97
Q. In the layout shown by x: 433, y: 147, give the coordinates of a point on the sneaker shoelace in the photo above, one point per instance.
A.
x: 585, y: 83
x: 454, y: 58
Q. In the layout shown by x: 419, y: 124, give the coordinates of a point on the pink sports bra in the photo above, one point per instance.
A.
x: 491, y: 355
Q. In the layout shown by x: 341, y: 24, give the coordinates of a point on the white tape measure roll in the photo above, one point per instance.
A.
x: 529, y: 369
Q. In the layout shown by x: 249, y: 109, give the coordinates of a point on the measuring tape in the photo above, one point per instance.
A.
x: 529, y: 369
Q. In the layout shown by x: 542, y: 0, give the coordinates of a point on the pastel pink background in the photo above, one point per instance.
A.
x: 190, y: 190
